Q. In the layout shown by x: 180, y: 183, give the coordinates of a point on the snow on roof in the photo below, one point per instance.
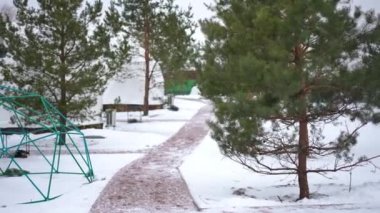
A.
x: 129, y: 85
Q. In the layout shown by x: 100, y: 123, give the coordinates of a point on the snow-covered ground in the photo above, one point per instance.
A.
x: 120, y: 146
x: 213, y: 179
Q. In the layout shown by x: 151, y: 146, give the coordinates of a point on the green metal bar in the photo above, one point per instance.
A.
x: 47, y: 118
x: 17, y: 148
x: 32, y: 140
x: 61, y: 115
x: 36, y: 113
x: 35, y: 121
x: 52, y: 168
x: 62, y: 173
x: 31, y: 181
x: 90, y: 173
x: 71, y: 173
x: 76, y: 148
x: 46, y: 105
x: 88, y: 156
x: 3, y: 141
x: 59, y: 156
x: 12, y: 159
x: 43, y: 155
x: 76, y: 161
x: 40, y: 201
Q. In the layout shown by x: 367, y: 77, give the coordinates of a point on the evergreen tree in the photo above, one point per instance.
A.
x: 65, y: 51
x: 6, y: 12
x: 164, y: 33
x: 3, y: 50
x: 278, y: 71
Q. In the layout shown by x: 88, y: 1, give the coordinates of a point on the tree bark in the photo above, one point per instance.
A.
x: 303, y: 141
x: 302, y: 160
x: 62, y: 104
x: 62, y: 130
x: 63, y: 109
x: 147, y: 67
x: 146, y: 84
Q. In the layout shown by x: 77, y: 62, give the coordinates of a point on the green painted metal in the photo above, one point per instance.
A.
x: 35, y: 126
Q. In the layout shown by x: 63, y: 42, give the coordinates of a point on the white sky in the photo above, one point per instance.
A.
x: 201, y: 12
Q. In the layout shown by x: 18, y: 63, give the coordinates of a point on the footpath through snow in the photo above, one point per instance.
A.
x: 154, y: 183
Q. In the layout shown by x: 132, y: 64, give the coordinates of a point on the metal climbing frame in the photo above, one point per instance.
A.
x: 35, y: 125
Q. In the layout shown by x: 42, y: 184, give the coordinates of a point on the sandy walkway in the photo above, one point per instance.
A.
x: 153, y: 183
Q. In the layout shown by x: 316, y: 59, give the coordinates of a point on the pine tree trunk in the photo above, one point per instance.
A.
x: 62, y: 119
x: 146, y: 91
x: 302, y: 160
x: 147, y: 67
x: 146, y: 82
x: 62, y: 135
x: 62, y: 107
x: 303, y: 141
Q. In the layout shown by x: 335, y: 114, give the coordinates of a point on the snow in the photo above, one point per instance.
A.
x: 74, y: 189
x: 4, y: 117
x: 129, y: 85
x: 213, y: 178
x: 120, y: 146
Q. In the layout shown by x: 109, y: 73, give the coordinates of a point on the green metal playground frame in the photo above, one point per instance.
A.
x: 34, y: 120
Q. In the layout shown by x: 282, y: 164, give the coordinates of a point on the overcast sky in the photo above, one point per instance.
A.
x: 201, y: 12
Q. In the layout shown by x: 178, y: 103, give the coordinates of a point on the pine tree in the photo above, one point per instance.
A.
x: 278, y: 71
x: 164, y: 33
x: 63, y: 50
x: 3, y: 50
x: 6, y: 12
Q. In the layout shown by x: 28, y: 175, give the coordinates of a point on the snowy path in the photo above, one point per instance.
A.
x: 153, y: 183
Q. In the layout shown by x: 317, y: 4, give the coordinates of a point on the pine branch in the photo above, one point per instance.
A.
x: 346, y: 167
